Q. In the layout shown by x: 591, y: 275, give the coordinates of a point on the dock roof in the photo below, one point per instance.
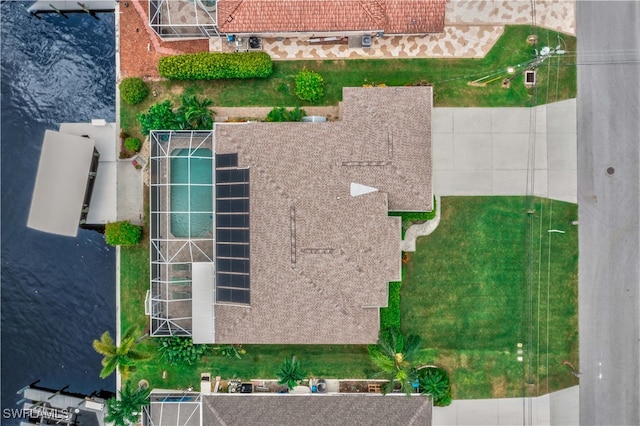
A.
x: 58, y: 195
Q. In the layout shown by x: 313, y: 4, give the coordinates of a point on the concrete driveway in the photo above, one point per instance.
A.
x: 501, y: 151
x: 556, y: 408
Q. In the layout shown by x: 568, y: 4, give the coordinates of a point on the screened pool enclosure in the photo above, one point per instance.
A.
x: 199, y: 224
x: 172, y: 19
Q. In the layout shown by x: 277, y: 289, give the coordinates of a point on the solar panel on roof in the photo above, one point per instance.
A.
x: 229, y: 235
x: 232, y: 230
x: 232, y: 191
x: 232, y: 280
x: 232, y: 205
x: 233, y: 265
x: 232, y: 220
x: 226, y: 160
x: 232, y: 175
x: 232, y: 295
x: 232, y: 250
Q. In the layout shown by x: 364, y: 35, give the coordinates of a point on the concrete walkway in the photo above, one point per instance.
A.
x: 557, y: 408
x: 558, y: 15
x: 491, y: 151
x: 420, y: 230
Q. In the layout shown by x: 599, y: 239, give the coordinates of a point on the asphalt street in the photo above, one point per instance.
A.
x: 609, y: 211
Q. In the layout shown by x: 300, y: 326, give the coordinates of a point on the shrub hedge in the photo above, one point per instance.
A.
x: 309, y: 86
x: 390, y: 316
x: 434, y: 381
x: 133, y: 90
x: 159, y: 117
x: 122, y: 233
x: 216, y: 65
x: 133, y: 144
x: 178, y: 350
x: 280, y: 114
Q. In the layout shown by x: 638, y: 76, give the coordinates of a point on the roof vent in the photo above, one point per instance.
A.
x: 359, y: 189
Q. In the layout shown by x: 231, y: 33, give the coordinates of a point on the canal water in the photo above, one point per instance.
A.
x: 58, y: 293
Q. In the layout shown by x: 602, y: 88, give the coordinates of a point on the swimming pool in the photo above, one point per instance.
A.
x: 192, y: 193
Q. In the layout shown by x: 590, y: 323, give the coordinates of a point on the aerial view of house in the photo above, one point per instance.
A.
x: 335, y: 212
x: 298, y: 239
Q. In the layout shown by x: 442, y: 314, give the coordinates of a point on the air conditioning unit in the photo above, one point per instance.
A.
x: 366, y: 41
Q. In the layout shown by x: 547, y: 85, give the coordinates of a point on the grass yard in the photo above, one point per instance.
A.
x: 449, y: 77
x: 472, y: 293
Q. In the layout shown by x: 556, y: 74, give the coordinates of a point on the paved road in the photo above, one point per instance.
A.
x: 609, y: 271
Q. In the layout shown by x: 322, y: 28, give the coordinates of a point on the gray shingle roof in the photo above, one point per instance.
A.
x: 355, y: 409
x: 321, y: 259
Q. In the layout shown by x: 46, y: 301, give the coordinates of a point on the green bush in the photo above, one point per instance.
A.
x: 178, y: 350
x: 216, y: 65
x: 280, y: 114
x: 434, y: 381
x: 133, y: 144
x: 133, y: 90
x: 231, y: 351
x: 390, y: 316
x: 159, y: 117
x: 122, y: 233
x: 309, y: 86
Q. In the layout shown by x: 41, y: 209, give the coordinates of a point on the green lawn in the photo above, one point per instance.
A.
x: 465, y: 291
x: 449, y: 77
x: 469, y: 292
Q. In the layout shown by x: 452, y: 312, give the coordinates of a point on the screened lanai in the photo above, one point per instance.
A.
x: 183, y: 18
x: 182, y: 203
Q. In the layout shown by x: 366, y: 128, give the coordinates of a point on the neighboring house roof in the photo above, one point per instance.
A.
x: 61, y: 183
x: 345, y: 409
x: 321, y: 259
x: 280, y: 16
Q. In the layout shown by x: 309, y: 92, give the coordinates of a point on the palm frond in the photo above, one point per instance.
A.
x: 136, y: 355
x: 109, y: 366
x: 105, y: 346
x: 412, y: 345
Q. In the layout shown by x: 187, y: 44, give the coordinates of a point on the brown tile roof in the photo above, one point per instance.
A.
x: 346, y: 409
x: 284, y: 16
x: 320, y: 258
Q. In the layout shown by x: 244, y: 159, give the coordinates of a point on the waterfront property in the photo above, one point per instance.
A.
x: 175, y: 19
x: 76, y: 180
x: 279, y: 232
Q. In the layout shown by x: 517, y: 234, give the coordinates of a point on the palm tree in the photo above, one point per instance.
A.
x: 434, y: 381
x: 290, y: 373
x: 394, y: 357
x: 123, y: 357
x: 126, y: 410
x: 196, y: 114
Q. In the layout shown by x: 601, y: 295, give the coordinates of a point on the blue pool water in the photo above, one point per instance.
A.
x: 192, y: 193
